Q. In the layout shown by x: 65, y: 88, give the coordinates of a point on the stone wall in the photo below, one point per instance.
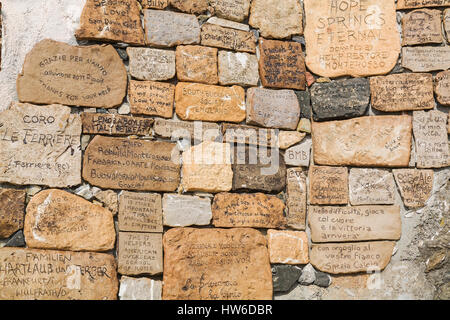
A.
x: 224, y: 149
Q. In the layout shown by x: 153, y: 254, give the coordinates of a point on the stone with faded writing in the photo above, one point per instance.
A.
x: 238, y: 68
x: 425, y: 59
x: 415, y: 186
x: 287, y: 139
x: 194, y: 101
x: 190, y: 6
x: 272, y: 108
x: 227, y: 38
x: 422, y: 26
x: 358, y: 38
x: 207, y: 168
x: 447, y: 23
x: 117, y: 21
x: 197, y: 64
x: 31, y: 274
x: 442, y: 87
x: 236, y: 133
x: 40, y: 145
x: 228, y: 24
x: 277, y: 21
x: 236, y: 10
x: 140, y: 212
x: 299, y: 154
x: 340, y: 99
x: 360, y: 223
x: 121, y: 163
x: 114, y: 124
x: 183, y: 211
x: 154, y: 4
x: 140, y: 253
x: 328, y: 185
x: 281, y: 64
x: 383, y: 141
x: 139, y: 289
x: 352, y: 257
x: 151, y: 64
x: 288, y: 247
x: 256, y: 169
x: 89, y: 76
x: 12, y: 208
x: 410, y: 4
x: 57, y: 219
x: 430, y: 134
x: 296, y: 198
x: 196, y: 131
x: 151, y: 98
x: 371, y: 186
x: 168, y: 29
x: 256, y: 210
x: 402, y: 92
x: 216, y: 264
x: 109, y: 200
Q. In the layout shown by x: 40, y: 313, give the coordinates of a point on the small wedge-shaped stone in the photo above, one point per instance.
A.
x: 415, y: 186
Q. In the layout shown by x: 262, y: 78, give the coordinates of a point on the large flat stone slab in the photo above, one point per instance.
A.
x: 227, y: 38
x: 151, y: 64
x: 383, y: 141
x: 183, y: 211
x: 40, y: 145
x: 115, y: 124
x: 151, y: 98
x: 31, y: 274
x: 89, y: 76
x: 288, y: 247
x: 140, y: 212
x: 236, y: 133
x: 197, y: 64
x: 196, y: 131
x: 422, y: 26
x: 12, y: 209
x: 328, y: 185
x: 371, y: 186
x: 139, y: 289
x: 239, y: 68
x: 235, y: 10
x: 216, y: 264
x: 426, y: 59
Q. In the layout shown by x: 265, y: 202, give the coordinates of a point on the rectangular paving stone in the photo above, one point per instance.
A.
x: 151, y: 98
x: 238, y: 68
x: 288, y: 247
x: 422, y: 26
x: 114, y: 124
x: 140, y: 212
x: 328, y: 185
x: 296, y: 198
x: 227, y: 38
x: 183, y: 210
x: 371, y: 186
x: 197, y: 130
x: 197, y: 64
x: 236, y: 133
x: 410, y: 4
x: 235, y: 10
x: 151, y: 64
x: 299, y: 155
x: 425, y: 59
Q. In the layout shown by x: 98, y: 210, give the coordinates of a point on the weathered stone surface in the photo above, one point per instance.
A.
x: 287, y: 139
x: 109, y: 199
x: 410, y: 4
x: 207, y: 167
x: 228, y: 24
x: 288, y: 247
x: 304, y: 125
x: 296, y: 198
x: 415, y: 186
x: 151, y: 64
x: 227, y: 38
x: 281, y: 64
x: 236, y: 10
x: 57, y: 219
x: 183, y: 211
x: 364, y: 42
x: 197, y: 64
x: 442, y: 87
x: 304, y: 100
x: 211, y: 264
x: 139, y: 289
x: 272, y: 108
x: 322, y: 279
x: 431, y: 138
x: 284, y: 277
x: 121, y: 163
x: 57, y: 275
x: 343, y: 224
x: 422, y: 26
x: 308, y: 275
x: 117, y: 21
x: 371, y: 186
x: 140, y: 212
x: 383, y: 141
x: 242, y: 134
x: 154, y: 4
x: 140, y: 253
x: 255, y: 210
x: 447, y: 23
x: 198, y: 131
x: 328, y: 185
x: 275, y: 20
x: 257, y: 170
x: 351, y: 257
x: 12, y: 208
x: 209, y: 103
x: 112, y: 124
x: 299, y: 155
x: 168, y: 29
x: 190, y: 6
x: 151, y: 98
x: 40, y: 145
x: 402, y: 92
x: 425, y: 59
x: 238, y: 68
x: 341, y: 99
x: 17, y: 240
x: 89, y: 76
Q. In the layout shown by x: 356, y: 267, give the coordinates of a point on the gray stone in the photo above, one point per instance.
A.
x: 151, y: 64
x: 304, y: 100
x: 284, y: 277
x: 139, y: 289
x: 322, y: 279
x: 341, y: 99
x: 299, y: 154
x: 229, y: 24
x: 183, y: 211
x: 238, y: 68
x: 17, y: 240
x: 308, y: 275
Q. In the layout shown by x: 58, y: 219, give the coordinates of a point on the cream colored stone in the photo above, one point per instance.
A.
x: 236, y: 10
x: 415, y: 186
x: 151, y: 64
x: 442, y: 87
x: 426, y: 58
x: 371, y: 186
x: 197, y: 64
x: 140, y: 212
x: 422, y: 26
x: 238, y: 68
x: 183, y: 211
x: 151, y: 98
x: 328, y: 185
x: 287, y: 139
x: 139, y: 289
x: 296, y: 198
x: 288, y: 247
x: 410, y: 4
x: 228, y: 24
